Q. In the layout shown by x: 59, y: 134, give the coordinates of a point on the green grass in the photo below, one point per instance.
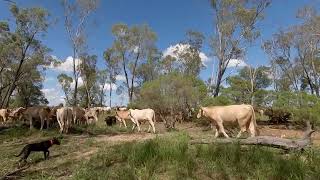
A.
x: 83, y: 156
x: 173, y: 158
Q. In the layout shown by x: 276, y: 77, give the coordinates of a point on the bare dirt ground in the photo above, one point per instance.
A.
x: 196, y: 132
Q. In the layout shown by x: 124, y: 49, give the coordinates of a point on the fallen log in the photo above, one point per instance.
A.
x: 270, y: 141
x: 11, y: 175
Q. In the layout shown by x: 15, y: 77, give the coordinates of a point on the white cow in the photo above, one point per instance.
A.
x: 91, y: 113
x: 242, y: 114
x: 64, y: 118
x: 4, y: 114
x: 137, y: 115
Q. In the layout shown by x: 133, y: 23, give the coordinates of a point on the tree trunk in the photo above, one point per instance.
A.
x: 88, y: 96
x: 101, y: 96
x: 217, y: 88
x: 133, y: 76
x: 12, y: 87
x: 126, y: 75
x: 110, y: 94
x: 75, y: 78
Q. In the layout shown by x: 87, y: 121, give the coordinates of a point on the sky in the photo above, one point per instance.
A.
x: 170, y: 19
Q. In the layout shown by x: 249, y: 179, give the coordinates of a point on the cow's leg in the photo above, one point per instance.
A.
x: 221, y: 128
x: 149, y: 128
x: 30, y: 121
x: 134, y: 126
x: 124, y: 123
x: 241, y: 131
x: 216, y: 127
x: 151, y: 123
x: 60, y: 124
x: 138, y: 125
x: 58, y: 119
x: 42, y: 122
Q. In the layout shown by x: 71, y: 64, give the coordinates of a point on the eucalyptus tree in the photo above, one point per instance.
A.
x: 21, y: 49
x: 235, y: 29
x: 131, y: 47
x: 76, y: 16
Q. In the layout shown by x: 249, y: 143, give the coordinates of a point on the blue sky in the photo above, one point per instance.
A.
x: 170, y: 19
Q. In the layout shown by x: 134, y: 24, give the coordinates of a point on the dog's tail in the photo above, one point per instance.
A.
x: 20, y: 153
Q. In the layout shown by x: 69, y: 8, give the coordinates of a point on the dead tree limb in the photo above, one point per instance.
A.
x: 13, y: 173
x: 275, y: 142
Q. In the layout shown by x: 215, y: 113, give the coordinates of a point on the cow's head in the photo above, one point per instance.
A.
x: 17, y: 112
x: 200, y: 113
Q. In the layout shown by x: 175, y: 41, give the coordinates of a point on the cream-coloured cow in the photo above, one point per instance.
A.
x: 137, y: 115
x: 64, y: 118
x: 78, y: 114
x: 122, y: 116
x: 4, y: 114
x: 90, y: 114
x: 241, y: 114
x: 17, y: 113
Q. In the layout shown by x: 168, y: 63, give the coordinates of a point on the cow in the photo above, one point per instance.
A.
x: 137, y: 115
x: 53, y: 113
x: 64, y: 118
x: 37, y: 113
x: 242, y: 114
x: 104, y: 109
x: 122, y: 116
x: 4, y: 114
x: 79, y: 115
x: 17, y: 113
x: 91, y: 113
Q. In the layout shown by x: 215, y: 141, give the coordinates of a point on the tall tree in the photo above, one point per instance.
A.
x: 76, y: 15
x: 235, y: 28
x: 113, y: 69
x: 65, y: 82
x: 294, y: 54
x: 131, y: 46
x: 150, y: 69
x: 88, y: 74
x: 248, y: 86
x: 102, y: 76
x: 20, y: 47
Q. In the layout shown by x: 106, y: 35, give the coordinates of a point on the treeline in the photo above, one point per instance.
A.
x: 169, y: 84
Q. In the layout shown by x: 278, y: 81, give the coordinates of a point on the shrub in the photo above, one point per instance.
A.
x: 171, y: 94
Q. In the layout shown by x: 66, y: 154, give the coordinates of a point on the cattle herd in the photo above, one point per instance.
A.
x: 243, y: 115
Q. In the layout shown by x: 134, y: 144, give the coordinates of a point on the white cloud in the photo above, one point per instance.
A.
x: 174, y: 50
x: 80, y: 82
x: 53, y: 95
x: 135, y: 50
x: 66, y: 65
x: 236, y: 63
x: 120, y: 78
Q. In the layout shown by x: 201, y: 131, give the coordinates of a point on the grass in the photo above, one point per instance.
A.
x: 82, y: 155
x: 173, y: 158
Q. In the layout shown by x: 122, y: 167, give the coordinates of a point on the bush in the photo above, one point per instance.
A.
x: 171, y: 94
x: 217, y: 101
x: 304, y: 107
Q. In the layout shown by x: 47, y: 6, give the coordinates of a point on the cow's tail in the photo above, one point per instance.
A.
x: 154, y: 117
x: 253, y: 123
